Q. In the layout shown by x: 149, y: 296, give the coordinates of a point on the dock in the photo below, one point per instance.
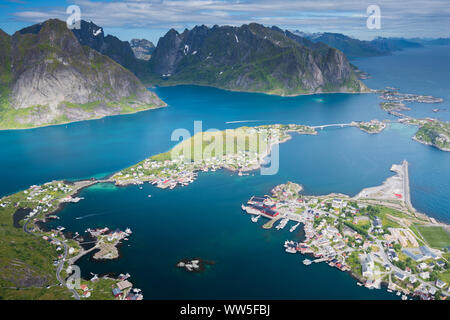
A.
x: 270, y: 223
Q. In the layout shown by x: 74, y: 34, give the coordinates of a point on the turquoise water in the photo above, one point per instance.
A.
x: 204, y: 219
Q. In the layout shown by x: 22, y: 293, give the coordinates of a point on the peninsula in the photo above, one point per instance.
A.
x: 376, y: 236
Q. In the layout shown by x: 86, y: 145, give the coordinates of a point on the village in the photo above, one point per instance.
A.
x: 37, y: 204
x: 393, y: 95
x: 240, y: 150
x: 377, y: 244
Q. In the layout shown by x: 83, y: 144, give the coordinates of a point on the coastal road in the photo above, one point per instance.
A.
x: 61, y: 262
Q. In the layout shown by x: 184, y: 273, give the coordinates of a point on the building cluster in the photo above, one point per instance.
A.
x: 352, y: 236
x: 179, y: 169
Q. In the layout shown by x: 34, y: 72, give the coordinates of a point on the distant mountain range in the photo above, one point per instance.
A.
x: 47, y: 77
x: 354, y: 48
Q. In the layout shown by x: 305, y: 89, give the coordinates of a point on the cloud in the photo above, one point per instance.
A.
x: 416, y: 18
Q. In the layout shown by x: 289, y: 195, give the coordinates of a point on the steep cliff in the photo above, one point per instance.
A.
x: 53, y: 79
x: 142, y: 48
x: 251, y: 58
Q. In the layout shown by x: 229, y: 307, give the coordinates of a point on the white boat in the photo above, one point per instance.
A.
x: 255, y: 218
x: 294, y: 227
x: 307, y: 262
x: 282, y: 224
x: 149, y: 196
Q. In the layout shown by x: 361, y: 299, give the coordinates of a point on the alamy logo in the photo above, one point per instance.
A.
x: 73, y: 281
x: 74, y: 20
x: 243, y: 149
x: 374, y: 17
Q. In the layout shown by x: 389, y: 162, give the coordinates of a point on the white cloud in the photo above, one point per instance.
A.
x: 416, y: 18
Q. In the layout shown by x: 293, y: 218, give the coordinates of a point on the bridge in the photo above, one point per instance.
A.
x: 340, y: 125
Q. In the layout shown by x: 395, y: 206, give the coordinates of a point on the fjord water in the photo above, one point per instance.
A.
x: 204, y: 219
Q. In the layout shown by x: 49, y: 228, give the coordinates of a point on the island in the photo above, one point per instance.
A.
x: 230, y: 149
x: 394, y: 100
x: 373, y: 126
x: 393, y: 95
x: 376, y: 236
x: 434, y: 133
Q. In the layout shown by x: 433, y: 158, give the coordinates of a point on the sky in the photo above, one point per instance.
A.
x: 151, y: 19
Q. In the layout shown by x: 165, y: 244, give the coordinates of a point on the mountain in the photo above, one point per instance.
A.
x: 142, y: 48
x: 48, y: 77
x: 250, y: 58
x: 354, y: 48
x: 394, y: 44
x: 120, y: 51
x: 432, y: 42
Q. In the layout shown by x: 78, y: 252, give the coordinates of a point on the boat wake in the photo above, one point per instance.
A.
x: 89, y: 215
x: 242, y: 121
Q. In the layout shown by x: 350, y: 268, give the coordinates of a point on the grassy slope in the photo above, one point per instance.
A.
x: 25, y: 258
x: 26, y: 263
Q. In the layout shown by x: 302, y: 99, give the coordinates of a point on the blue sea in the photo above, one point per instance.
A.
x: 204, y: 219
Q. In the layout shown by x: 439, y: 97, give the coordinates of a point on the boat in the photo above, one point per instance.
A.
x: 282, y: 224
x: 294, y: 227
x: 404, y: 297
x: 149, y: 196
x: 255, y: 218
x: 359, y: 284
x: 307, y: 262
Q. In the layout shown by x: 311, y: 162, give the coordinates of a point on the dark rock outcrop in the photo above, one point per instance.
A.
x: 142, y: 48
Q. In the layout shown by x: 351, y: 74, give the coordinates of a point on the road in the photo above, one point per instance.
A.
x: 61, y: 262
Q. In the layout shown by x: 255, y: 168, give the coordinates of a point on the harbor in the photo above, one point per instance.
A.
x: 348, y: 234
